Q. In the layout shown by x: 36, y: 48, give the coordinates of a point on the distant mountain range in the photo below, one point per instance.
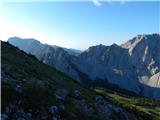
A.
x: 133, y: 66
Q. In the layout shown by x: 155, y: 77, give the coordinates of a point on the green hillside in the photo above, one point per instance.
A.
x: 142, y: 107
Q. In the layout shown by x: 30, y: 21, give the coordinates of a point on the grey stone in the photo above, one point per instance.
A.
x: 53, y: 109
x: 61, y: 94
x: 54, y: 118
x: 8, y: 110
x: 77, y: 93
x: 4, y: 116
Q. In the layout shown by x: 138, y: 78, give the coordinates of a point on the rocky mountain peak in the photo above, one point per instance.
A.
x: 145, y: 38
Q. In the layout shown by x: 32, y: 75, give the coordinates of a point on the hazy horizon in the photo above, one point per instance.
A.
x: 79, y: 25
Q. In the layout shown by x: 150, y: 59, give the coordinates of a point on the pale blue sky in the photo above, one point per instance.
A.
x: 80, y: 24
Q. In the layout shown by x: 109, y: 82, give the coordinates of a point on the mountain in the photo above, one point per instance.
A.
x: 32, y: 90
x: 33, y: 42
x: 52, y: 55
x: 131, y: 66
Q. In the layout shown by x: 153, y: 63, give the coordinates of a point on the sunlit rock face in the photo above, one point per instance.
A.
x: 145, y: 53
x: 135, y: 65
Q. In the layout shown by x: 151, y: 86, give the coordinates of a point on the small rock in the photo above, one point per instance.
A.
x: 12, y: 106
x: 77, y: 93
x: 100, y: 100
x: 4, y: 116
x: 29, y: 115
x: 54, y: 118
x: 7, y: 110
x: 58, y: 97
x: 61, y: 94
x: 18, y: 88
x: 54, y: 109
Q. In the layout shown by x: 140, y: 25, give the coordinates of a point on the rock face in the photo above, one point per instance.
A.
x: 154, y: 81
x: 135, y: 65
x: 145, y: 53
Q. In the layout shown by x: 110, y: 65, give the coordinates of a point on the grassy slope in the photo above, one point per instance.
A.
x: 141, y: 107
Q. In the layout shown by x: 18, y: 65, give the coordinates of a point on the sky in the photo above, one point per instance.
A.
x: 78, y: 24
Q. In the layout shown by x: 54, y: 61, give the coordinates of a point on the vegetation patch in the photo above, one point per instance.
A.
x: 142, y: 107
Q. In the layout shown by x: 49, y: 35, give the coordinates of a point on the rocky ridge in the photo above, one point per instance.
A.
x: 130, y: 66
